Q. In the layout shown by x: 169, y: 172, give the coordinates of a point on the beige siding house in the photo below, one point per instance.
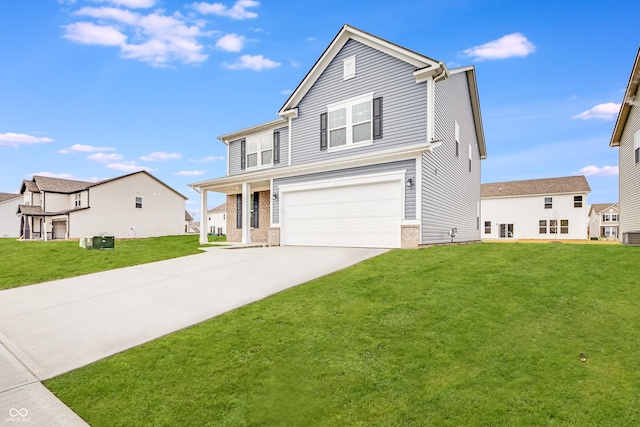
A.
x: 128, y: 206
x: 551, y: 208
x: 626, y: 136
x: 217, y: 218
x: 604, y: 220
x: 9, y: 222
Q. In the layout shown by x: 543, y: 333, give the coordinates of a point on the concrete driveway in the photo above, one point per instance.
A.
x: 54, y: 327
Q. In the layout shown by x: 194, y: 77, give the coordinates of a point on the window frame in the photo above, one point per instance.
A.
x: 542, y: 226
x: 349, y: 68
x: 577, y: 201
x: 487, y: 228
x: 564, y: 226
x: 548, y: 202
x: 77, y: 200
x: 553, y: 226
x: 138, y: 205
x: 259, y: 139
x: 348, y: 105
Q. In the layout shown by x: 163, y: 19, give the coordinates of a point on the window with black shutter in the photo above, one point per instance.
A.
x: 243, y: 154
x: 276, y: 147
x: 377, y: 118
x: 255, y: 210
x: 238, y: 210
x: 323, y: 131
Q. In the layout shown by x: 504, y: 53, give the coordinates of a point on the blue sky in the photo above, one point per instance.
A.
x: 92, y: 89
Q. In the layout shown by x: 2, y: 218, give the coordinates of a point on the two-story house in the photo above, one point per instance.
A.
x: 550, y: 208
x: 626, y: 136
x: 604, y: 219
x: 217, y: 219
x: 9, y: 222
x: 128, y: 206
x: 378, y: 146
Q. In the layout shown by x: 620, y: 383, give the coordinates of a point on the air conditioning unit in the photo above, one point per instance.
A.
x: 98, y: 242
x: 631, y: 238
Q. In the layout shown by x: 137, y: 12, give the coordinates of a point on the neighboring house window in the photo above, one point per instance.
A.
x: 637, y: 155
x: 636, y: 146
x: 564, y: 226
x: 259, y: 150
x: 614, y: 217
x: 553, y: 226
x: 609, y: 231
x: 487, y: 227
x: 457, y: 137
x: 542, y: 226
x: 577, y: 201
x: 548, y: 202
x: 78, y: 201
x: 138, y: 202
x: 349, y: 68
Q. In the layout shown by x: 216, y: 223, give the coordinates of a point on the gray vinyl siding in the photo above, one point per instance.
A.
x: 404, y: 103
x: 410, y: 192
x: 450, y: 192
x: 234, y: 152
x: 629, y: 174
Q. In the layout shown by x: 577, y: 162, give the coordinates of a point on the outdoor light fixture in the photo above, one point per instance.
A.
x: 275, y: 196
x: 410, y: 182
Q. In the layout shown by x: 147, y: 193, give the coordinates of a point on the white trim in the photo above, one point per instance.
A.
x: 355, y: 100
x: 272, y: 125
x: 346, y: 181
x: 261, y: 167
x: 430, y: 108
x: 350, y: 146
x: 410, y: 222
x: 228, y: 160
x: 419, y: 193
x: 246, y: 213
x: 290, y: 123
x: 347, y: 105
x: 204, y: 217
x: 636, y: 140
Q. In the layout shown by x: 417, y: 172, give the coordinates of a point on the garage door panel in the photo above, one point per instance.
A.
x: 362, y: 215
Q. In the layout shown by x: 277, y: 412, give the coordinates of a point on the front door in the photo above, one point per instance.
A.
x: 506, y: 231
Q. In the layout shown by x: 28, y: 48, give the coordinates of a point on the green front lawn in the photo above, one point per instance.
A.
x: 26, y: 263
x: 473, y: 335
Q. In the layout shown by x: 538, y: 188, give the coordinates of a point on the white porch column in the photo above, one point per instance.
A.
x: 44, y: 225
x: 246, y: 213
x: 204, y: 217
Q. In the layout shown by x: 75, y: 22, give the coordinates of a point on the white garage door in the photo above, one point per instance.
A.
x: 352, y: 216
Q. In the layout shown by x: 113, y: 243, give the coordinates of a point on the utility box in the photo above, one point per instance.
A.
x: 98, y: 242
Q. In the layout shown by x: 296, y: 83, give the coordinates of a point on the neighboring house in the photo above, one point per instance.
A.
x: 551, y: 208
x: 378, y: 146
x: 604, y: 220
x: 133, y: 205
x: 9, y: 222
x: 626, y: 136
x: 188, y: 223
x: 217, y: 219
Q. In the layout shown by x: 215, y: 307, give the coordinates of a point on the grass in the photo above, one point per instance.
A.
x: 474, y: 335
x: 26, y: 263
x: 217, y: 238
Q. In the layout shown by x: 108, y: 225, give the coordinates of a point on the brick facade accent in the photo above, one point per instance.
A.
x: 409, y: 236
x: 234, y: 234
x: 273, y: 236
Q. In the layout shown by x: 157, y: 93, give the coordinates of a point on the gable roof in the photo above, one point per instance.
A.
x: 187, y: 216
x: 221, y: 208
x: 9, y: 196
x: 475, y: 106
x: 422, y: 63
x: 563, y: 185
x: 598, y: 208
x: 29, y: 186
x: 94, y: 184
x: 627, y: 102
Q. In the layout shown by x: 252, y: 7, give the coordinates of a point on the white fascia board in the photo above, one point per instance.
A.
x: 274, y: 124
x: 347, y: 32
x: 363, y: 159
x: 571, y: 193
x: 373, y: 178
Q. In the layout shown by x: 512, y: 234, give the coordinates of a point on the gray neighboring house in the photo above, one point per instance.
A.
x: 9, y: 222
x: 626, y: 136
x: 378, y: 146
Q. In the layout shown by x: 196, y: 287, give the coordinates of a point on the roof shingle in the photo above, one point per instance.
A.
x: 567, y: 184
x: 9, y: 196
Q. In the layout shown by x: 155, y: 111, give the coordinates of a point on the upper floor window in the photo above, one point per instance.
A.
x: 548, y: 202
x: 27, y: 198
x: 350, y: 122
x: 457, y: 137
x: 609, y: 217
x: 259, y: 150
x: 636, y: 146
x: 349, y: 68
x: 138, y: 202
x: 78, y: 200
x: 577, y: 201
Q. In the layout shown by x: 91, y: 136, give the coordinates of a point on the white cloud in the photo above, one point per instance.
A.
x: 596, y: 171
x: 230, y: 43
x: 189, y: 173
x: 286, y: 92
x: 252, y: 62
x: 207, y: 159
x: 89, y: 33
x: 130, y: 166
x: 14, y: 139
x: 511, y: 45
x: 105, y: 158
x: 294, y: 63
x: 132, y: 4
x: 608, y: 111
x: 311, y: 39
x: 81, y: 148
x: 52, y: 175
x: 160, y: 156
x: 154, y: 38
x: 237, y: 11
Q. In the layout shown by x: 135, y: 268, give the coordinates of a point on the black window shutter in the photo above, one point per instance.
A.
x: 243, y: 154
x: 238, y: 210
x: 323, y: 131
x: 377, y: 118
x: 276, y: 147
x: 256, y: 210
